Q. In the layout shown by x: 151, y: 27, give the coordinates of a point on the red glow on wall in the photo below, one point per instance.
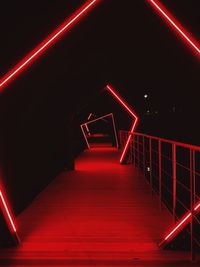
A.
x: 7, y: 213
x: 184, y: 221
x: 49, y: 41
x: 175, y: 24
x: 131, y: 112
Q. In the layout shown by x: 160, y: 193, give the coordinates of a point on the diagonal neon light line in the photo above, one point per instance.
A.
x: 87, y: 129
x: 130, y: 111
x: 89, y: 117
x: 177, y: 27
x: 182, y: 223
x: 95, y: 120
x: 114, y: 93
x: 7, y: 212
x: 45, y: 44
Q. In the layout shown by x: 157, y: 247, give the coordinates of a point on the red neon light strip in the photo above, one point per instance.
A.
x: 87, y: 129
x: 184, y: 221
x: 7, y: 212
x: 114, y: 93
x: 97, y: 119
x: 100, y: 118
x: 52, y: 38
x: 135, y: 117
x: 115, y: 131
x: 175, y: 24
x: 128, y: 141
x: 89, y: 117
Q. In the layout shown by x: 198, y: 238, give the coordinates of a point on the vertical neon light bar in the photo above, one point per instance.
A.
x: 130, y: 111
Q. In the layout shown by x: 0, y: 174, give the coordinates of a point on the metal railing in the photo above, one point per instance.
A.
x: 172, y: 170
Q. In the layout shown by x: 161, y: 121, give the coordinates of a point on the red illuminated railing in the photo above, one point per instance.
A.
x: 172, y: 171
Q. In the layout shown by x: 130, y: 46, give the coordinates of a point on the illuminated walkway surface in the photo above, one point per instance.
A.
x: 103, y: 214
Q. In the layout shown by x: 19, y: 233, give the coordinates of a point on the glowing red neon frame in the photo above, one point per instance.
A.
x: 43, y: 46
x: 97, y: 119
x: 131, y: 112
x: 175, y: 24
x: 184, y: 221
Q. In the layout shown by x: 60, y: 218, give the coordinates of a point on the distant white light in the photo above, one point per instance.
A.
x: 146, y: 96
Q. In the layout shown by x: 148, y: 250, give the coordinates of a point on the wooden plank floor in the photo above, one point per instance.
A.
x: 102, y: 214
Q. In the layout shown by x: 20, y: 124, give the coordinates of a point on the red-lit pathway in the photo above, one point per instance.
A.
x: 103, y: 214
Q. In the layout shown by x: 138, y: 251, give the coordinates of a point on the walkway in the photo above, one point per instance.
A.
x: 103, y: 214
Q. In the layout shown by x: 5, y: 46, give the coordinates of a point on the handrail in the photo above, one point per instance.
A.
x: 171, y: 173
x: 193, y: 147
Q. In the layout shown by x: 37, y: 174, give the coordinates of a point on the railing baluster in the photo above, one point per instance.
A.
x: 144, y: 156
x: 150, y: 164
x: 134, y: 152
x: 192, y: 174
x: 138, y: 152
x: 131, y: 150
x: 174, y: 179
x: 160, y: 172
x: 147, y: 157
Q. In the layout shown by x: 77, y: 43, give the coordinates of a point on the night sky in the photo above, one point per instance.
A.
x: 121, y: 42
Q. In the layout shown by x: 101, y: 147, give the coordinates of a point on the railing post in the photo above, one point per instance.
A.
x: 120, y: 138
x: 174, y: 179
x: 192, y: 201
x: 150, y: 164
x: 138, y: 152
x: 135, y: 150
x: 144, y: 156
x: 160, y: 173
x: 134, y: 153
x: 131, y: 150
